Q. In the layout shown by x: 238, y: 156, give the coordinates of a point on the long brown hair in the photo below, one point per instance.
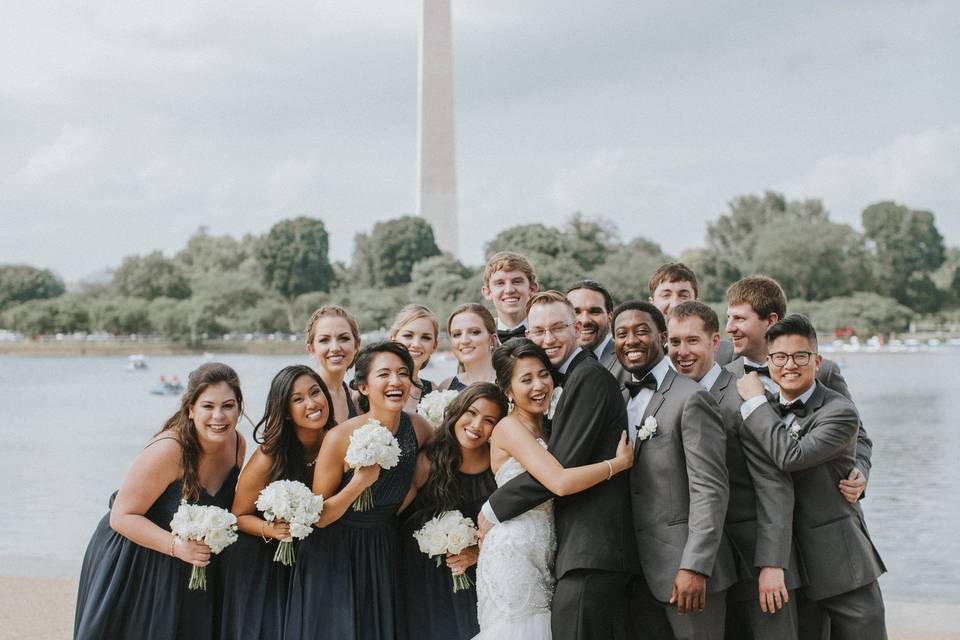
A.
x: 442, y: 488
x: 181, y: 426
x: 276, y: 432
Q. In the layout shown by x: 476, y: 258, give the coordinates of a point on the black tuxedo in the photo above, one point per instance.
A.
x: 596, y: 549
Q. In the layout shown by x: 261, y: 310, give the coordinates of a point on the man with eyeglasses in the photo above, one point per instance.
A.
x: 597, y: 560
x: 754, y: 304
x: 810, y: 431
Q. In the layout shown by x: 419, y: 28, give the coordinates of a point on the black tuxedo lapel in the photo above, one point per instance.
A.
x: 577, y: 359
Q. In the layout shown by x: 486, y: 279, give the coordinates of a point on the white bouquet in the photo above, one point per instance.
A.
x: 450, y: 533
x: 370, y: 444
x: 213, y: 526
x: 294, y: 503
x: 433, y: 406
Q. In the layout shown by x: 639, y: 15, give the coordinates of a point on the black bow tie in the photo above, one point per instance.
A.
x: 762, y: 370
x: 797, y: 408
x: 634, y: 386
x: 507, y: 334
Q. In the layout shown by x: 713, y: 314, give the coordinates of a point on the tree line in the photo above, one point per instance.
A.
x: 874, y: 281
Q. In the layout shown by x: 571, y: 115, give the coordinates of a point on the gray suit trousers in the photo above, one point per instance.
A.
x: 746, y: 621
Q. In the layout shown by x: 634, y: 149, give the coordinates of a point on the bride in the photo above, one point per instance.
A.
x: 514, y: 572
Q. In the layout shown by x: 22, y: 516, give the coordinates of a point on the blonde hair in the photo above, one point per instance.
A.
x: 478, y: 310
x: 327, y: 311
x: 509, y: 261
x: 411, y: 313
x: 550, y: 297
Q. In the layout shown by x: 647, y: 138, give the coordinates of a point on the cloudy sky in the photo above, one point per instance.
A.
x: 126, y: 126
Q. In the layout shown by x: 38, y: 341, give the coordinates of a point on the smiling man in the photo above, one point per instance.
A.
x: 593, y: 307
x: 508, y: 282
x: 759, y: 517
x: 810, y: 431
x: 596, y: 562
x: 679, y: 483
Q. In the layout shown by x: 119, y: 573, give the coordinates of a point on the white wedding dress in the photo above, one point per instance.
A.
x: 515, y: 571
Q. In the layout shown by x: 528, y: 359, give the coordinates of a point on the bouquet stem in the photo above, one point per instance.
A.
x: 198, y: 579
x: 284, y: 554
x: 461, y: 582
x: 364, y: 502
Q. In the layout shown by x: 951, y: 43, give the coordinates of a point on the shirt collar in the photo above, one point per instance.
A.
x: 748, y: 361
x: 710, y: 377
x: 660, y: 370
x: 804, y: 397
x: 502, y: 327
x: 603, y: 345
x: 566, y: 364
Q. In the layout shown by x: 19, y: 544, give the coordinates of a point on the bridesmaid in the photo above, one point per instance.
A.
x: 333, y: 338
x: 452, y: 473
x: 345, y: 579
x: 133, y: 583
x: 473, y: 337
x: 291, y: 430
x: 416, y: 328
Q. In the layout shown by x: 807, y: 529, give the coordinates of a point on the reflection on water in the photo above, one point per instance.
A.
x: 71, y: 426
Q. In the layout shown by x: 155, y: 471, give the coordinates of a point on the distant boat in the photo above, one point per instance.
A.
x: 136, y: 362
x: 167, y: 387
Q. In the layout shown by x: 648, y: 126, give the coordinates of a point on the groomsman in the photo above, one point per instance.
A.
x: 508, y: 282
x: 754, y: 304
x: 811, y: 432
x: 593, y: 307
x: 673, y: 283
x: 596, y: 561
x: 679, y: 484
x: 761, y: 605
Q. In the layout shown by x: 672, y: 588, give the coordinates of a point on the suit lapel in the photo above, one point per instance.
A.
x: 722, y: 385
x: 655, y: 401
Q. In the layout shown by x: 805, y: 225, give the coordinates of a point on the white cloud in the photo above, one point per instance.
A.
x: 920, y: 170
x: 72, y: 147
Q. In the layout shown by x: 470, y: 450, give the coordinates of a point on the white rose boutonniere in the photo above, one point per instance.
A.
x: 647, y: 429
x: 795, y: 430
x: 554, y: 401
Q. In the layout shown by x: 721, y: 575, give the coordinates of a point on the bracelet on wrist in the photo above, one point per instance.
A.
x: 610, y: 468
x: 263, y: 525
x: 173, y: 545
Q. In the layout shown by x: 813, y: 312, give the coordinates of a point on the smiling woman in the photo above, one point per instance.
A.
x: 195, y: 457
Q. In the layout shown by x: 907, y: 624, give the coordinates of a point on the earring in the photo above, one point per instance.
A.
x: 509, y: 405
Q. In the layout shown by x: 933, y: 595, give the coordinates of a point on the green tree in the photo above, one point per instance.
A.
x: 907, y: 248
x: 20, y: 283
x: 207, y: 253
x: 65, y: 314
x: 386, y: 257
x: 151, y: 276
x: 121, y: 315
x: 868, y: 314
x: 628, y: 268
x: 293, y: 258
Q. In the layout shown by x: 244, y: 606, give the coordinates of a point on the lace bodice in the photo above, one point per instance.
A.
x: 515, y: 570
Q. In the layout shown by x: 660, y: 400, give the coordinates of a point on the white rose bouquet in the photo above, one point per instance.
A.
x: 433, y: 405
x: 213, y: 526
x: 294, y: 503
x: 370, y: 444
x: 447, y: 533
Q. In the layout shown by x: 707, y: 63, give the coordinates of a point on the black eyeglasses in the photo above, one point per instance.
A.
x: 800, y: 358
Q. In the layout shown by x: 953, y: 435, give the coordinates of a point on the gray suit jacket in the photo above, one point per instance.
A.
x: 609, y: 360
x: 835, y: 548
x: 760, y: 511
x: 679, y: 489
x: 829, y: 376
x: 724, y: 354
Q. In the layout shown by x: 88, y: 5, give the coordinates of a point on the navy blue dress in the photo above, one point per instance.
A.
x: 431, y: 610
x: 129, y: 591
x: 351, y: 408
x: 345, y: 578
x: 456, y: 385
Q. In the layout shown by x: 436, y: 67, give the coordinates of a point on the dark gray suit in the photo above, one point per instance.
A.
x: 840, y: 563
x: 679, y: 489
x: 758, y: 524
x: 829, y: 376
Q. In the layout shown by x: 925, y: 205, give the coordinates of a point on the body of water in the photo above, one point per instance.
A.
x: 71, y: 426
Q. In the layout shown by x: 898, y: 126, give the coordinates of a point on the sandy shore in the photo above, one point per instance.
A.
x: 43, y: 610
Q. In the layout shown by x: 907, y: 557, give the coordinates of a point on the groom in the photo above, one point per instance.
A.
x: 596, y: 554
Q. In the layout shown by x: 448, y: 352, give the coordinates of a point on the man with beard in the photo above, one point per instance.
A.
x: 679, y: 484
x: 593, y: 306
x: 761, y: 605
x: 596, y: 561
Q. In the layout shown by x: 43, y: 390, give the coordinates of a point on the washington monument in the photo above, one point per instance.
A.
x: 436, y: 156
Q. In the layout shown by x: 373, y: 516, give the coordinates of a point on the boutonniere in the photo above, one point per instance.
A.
x: 554, y: 401
x: 647, y: 429
x: 795, y: 429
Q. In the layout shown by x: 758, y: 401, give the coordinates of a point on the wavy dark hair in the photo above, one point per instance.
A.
x: 506, y: 355
x: 361, y: 366
x: 442, y: 488
x: 276, y: 431
x: 181, y: 426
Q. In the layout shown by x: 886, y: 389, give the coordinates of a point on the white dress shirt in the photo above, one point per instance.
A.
x: 598, y: 351
x: 710, y: 377
x: 637, y: 405
x: 751, y: 404
x: 767, y: 381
